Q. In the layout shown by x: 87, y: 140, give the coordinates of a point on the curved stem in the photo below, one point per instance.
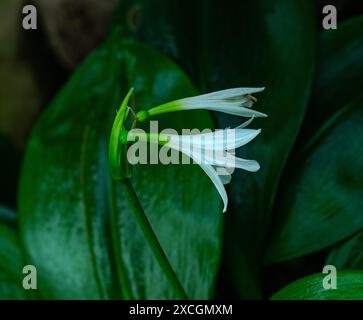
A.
x: 151, y: 238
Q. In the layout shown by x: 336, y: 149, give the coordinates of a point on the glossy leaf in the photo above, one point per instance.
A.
x: 349, y: 287
x: 63, y: 206
x: 76, y: 222
x: 320, y: 198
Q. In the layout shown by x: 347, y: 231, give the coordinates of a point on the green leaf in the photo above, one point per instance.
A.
x: 348, y: 254
x: 11, y: 262
x: 349, y: 287
x: 320, y: 198
x: 77, y: 224
x: 263, y: 43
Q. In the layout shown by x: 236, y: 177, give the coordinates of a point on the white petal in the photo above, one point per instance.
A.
x: 248, y: 165
x: 244, y: 136
x: 245, y: 124
x: 224, y: 140
x: 235, y: 162
x: 231, y: 101
x: 216, y: 140
x: 229, y: 107
x: 229, y: 93
x: 212, y: 174
x: 234, y: 109
x: 225, y: 160
x: 209, y: 170
x: 224, y: 174
x: 225, y: 178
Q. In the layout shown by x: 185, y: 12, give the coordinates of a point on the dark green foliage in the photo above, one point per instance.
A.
x: 302, y: 210
x: 320, y: 199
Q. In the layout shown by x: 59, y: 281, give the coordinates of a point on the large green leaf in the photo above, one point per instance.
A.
x: 62, y: 198
x: 66, y: 194
x: 263, y: 43
x: 349, y: 287
x: 320, y: 201
x: 11, y: 261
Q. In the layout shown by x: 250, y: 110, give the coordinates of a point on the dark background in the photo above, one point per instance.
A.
x: 35, y: 64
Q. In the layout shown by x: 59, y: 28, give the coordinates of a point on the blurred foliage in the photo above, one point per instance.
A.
x: 29, y: 74
x: 75, y: 28
x: 19, y: 95
x: 300, y: 212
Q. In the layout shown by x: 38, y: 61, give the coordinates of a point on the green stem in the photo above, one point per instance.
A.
x: 151, y: 238
x: 115, y: 234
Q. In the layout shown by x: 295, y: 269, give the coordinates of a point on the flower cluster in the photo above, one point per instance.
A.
x: 212, y: 151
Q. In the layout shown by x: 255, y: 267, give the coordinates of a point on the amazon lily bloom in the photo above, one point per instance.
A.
x: 236, y: 101
x: 212, y: 151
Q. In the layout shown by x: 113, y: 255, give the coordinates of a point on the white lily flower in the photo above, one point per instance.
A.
x: 236, y: 101
x: 212, y: 152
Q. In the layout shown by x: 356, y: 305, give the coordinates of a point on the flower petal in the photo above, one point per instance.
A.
x: 212, y: 174
x: 224, y: 160
x: 245, y: 124
x: 225, y: 178
x: 224, y: 174
x: 227, y: 139
x: 209, y: 170
x: 243, y: 136
x: 248, y: 165
x: 230, y: 107
x: 235, y: 110
x: 229, y: 93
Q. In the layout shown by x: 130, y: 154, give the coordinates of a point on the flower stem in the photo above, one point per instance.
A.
x: 151, y: 238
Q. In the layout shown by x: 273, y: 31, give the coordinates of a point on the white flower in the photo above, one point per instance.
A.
x: 213, y: 152
x: 236, y: 101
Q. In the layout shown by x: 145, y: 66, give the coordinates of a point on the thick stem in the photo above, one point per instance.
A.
x: 151, y: 238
